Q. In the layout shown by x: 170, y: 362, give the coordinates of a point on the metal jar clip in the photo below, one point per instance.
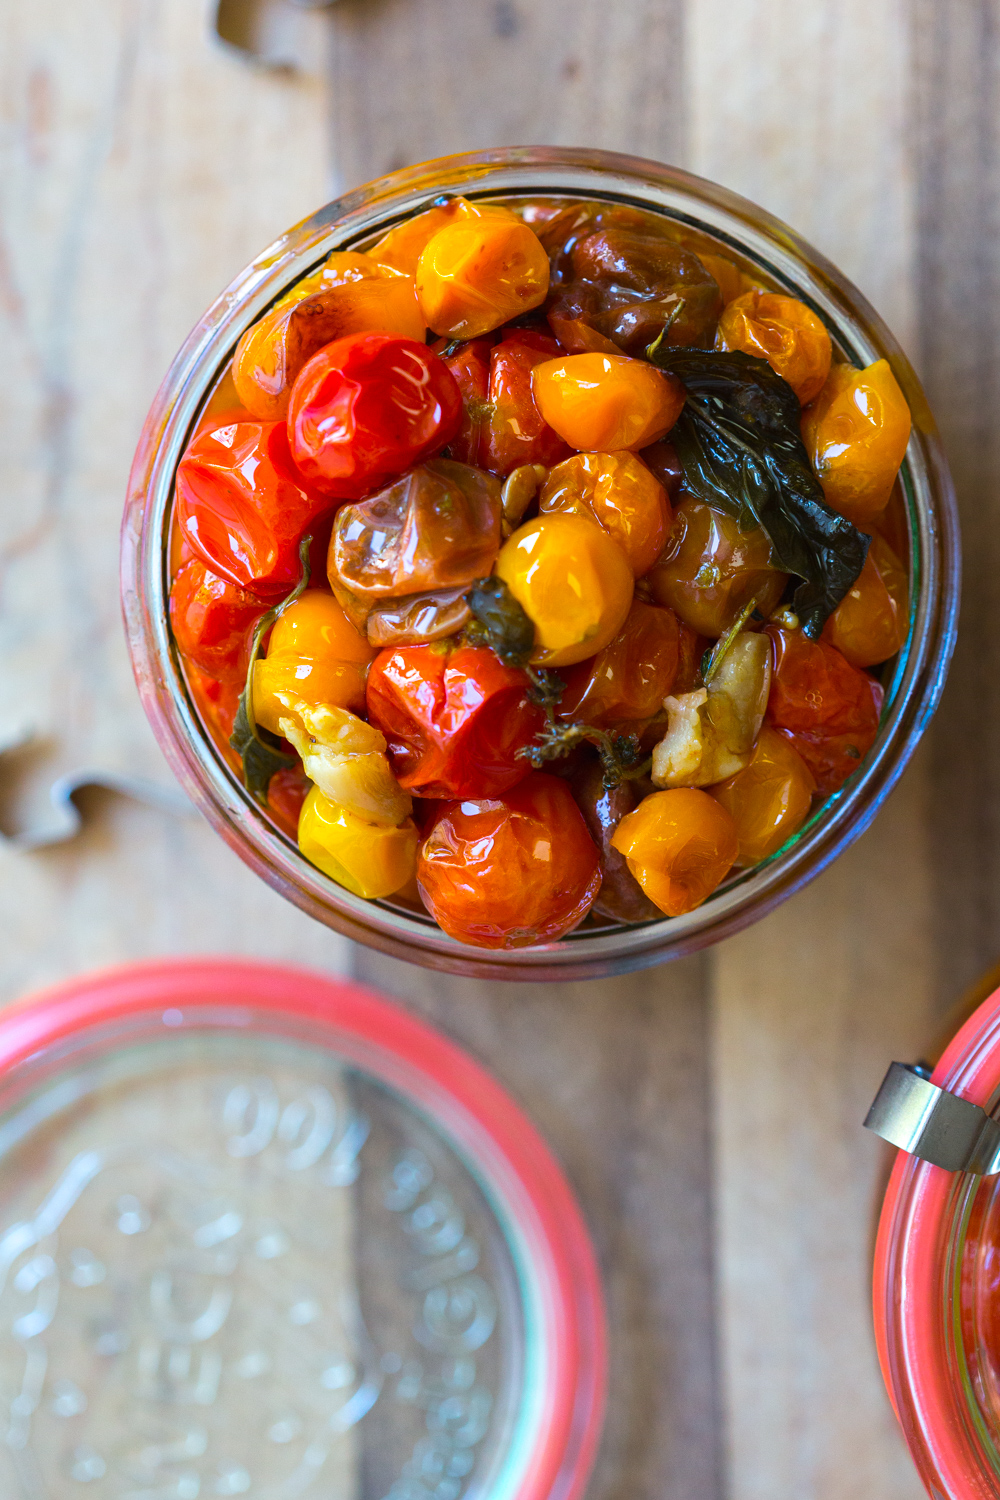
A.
x: 928, y: 1122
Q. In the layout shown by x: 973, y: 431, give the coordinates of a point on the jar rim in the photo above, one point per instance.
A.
x: 698, y: 206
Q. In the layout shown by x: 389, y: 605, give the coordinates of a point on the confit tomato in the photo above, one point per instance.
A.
x: 621, y: 494
x: 367, y: 407
x: 710, y: 569
x: 510, y: 871
x: 869, y: 624
x: 514, y: 432
x: 243, y: 508
x: 213, y: 620
x: 470, y: 366
x: 454, y: 720
x: 680, y: 845
x: 828, y: 709
x: 630, y: 678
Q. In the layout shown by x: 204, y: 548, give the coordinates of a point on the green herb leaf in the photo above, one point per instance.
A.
x: 259, y: 749
x: 741, y: 451
x: 505, y: 625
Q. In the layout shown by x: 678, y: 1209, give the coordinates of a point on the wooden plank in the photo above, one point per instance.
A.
x: 810, y: 1005
x: 141, y: 168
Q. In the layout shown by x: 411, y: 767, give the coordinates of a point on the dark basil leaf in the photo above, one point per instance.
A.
x: 506, y: 626
x: 739, y: 445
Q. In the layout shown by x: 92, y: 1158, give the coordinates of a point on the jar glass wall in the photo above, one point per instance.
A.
x: 708, y: 216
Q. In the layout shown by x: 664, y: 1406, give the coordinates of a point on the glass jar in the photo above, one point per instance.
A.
x: 937, y: 1281
x: 708, y: 216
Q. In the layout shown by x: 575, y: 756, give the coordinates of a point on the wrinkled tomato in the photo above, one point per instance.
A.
x: 470, y: 366
x: 828, y: 709
x: 512, y: 871
x: 367, y: 407
x: 454, y: 720
x: 243, y: 508
x: 213, y: 620
x: 630, y: 678
x: 514, y: 432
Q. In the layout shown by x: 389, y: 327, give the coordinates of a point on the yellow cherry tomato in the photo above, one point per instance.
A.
x: 572, y: 581
x: 369, y: 861
x: 769, y: 799
x: 603, y: 402
x: 622, y: 496
x: 478, y: 273
x: 679, y: 845
x: 315, y: 655
x: 403, y: 246
x: 856, y: 432
x: 783, y: 331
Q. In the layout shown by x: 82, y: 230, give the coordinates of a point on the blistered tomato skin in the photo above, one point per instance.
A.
x: 828, y: 709
x: 680, y: 846
x: 454, y: 721
x: 769, y: 799
x: 212, y: 621
x: 783, y: 331
x: 477, y: 273
x: 869, y: 624
x: 513, y: 432
x: 856, y: 432
x: 366, y: 408
x: 604, y: 402
x: 243, y: 508
x: 627, y: 682
x: 710, y: 570
x: 573, y: 582
x: 621, y: 495
x: 511, y: 871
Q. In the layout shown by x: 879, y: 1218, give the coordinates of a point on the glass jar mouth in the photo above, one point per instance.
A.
x: 699, y: 208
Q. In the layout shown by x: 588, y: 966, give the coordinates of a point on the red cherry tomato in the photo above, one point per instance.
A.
x: 367, y: 407
x: 213, y: 621
x: 514, y: 432
x: 511, y: 871
x: 243, y: 509
x: 286, y: 792
x: 828, y: 709
x: 454, y: 720
x: 470, y: 365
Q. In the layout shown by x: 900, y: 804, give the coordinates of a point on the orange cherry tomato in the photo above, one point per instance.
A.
x: 477, y: 273
x: 403, y: 246
x: 856, y: 432
x: 454, y: 720
x: 243, y: 507
x: 621, y: 495
x: 630, y: 678
x: 213, y: 621
x: 870, y: 623
x: 828, y: 709
x: 680, y: 845
x: 726, y: 272
x: 769, y: 799
x: 367, y: 407
x: 314, y: 655
x: 572, y: 581
x: 711, y: 569
x: 510, y: 871
x: 783, y: 331
x: 513, y: 432
x: 604, y: 402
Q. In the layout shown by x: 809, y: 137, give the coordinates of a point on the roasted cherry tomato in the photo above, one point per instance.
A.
x: 514, y: 433
x: 691, y: 650
x: 243, y: 508
x: 856, y: 432
x: 572, y: 581
x: 711, y: 569
x: 828, y: 709
x: 630, y: 678
x: 769, y: 799
x: 605, y: 402
x: 367, y: 407
x: 213, y: 621
x: 470, y: 365
x: 512, y: 871
x: 726, y: 273
x: 680, y: 845
x: 403, y: 246
x: 351, y: 294
x: 217, y: 703
x: 869, y: 624
x: 783, y: 331
x: 370, y: 860
x: 314, y: 655
x: 477, y: 273
x: 436, y: 528
x: 621, y: 494
x: 661, y: 459
x: 621, y: 896
x: 287, y: 790
x: 454, y: 720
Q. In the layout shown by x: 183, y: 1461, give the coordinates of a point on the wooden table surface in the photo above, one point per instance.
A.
x: 708, y: 1112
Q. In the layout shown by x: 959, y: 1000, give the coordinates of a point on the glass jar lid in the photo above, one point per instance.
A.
x: 262, y: 1233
